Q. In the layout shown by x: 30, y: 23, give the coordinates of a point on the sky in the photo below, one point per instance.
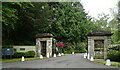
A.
x: 95, y: 7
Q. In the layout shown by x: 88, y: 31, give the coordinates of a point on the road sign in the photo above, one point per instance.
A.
x: 8, y: 51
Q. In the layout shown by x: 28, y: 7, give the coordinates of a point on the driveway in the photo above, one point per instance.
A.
x: 67, y: 61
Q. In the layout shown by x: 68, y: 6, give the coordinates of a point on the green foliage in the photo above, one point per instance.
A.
x: 18, y: 54
x: 99, y: 56
x: 80, y: 51
x: 7, y: 46
x: 77, y: 48
x: 114, y: 55
x: 30, y: 54
x: 67, y: 24
x: 117, y: 48
x: 68, y: 51
x: 25, y: 54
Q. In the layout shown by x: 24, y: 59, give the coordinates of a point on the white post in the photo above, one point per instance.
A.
x: 41, y: 57
x: 47, y: 55
x: 108, y: 63
x: 88, y: 56
x: 54, y: 55
x: 84, y: 55
x: 91, y: 59
x: 73, y: 53
x: 59, y: 54
x: 62, y: 54
x: 23, y: 59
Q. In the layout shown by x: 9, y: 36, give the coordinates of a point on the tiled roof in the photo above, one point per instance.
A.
x: 44, y: 35
x: 100, y: 33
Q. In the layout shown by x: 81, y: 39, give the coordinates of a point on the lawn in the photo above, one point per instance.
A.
x: 113, y: 63
x: 17, y: 59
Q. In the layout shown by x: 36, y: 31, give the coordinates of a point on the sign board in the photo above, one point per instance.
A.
x: 8, y: 51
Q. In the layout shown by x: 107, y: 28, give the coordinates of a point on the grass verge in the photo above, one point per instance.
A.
x: 113, y: 63
x: 17, y: 59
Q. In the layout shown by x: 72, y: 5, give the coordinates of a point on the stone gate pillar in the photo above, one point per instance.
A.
x: 49, y: 47
x: 38, y: 48
x: 46, y: 39
x: 99, y: 35
x: 105, y: 48
x: 90, y: 47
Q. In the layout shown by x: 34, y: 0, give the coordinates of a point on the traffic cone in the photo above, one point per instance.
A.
x: 59, y: 54
x: 54, y: 55
x: 108, y: 63
x: 41, y: 57
x: 73, y: 53
x: 91, y: 59
x: 23, y: 59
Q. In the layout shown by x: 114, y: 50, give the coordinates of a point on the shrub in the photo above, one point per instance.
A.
x: 19, y: 54
x: 68, y: 51
x: 83, y: 50
x: 99, y: 56
x: 114, y: 55
x: 25, y: 54
x: 30, y: 54
x: 7, y: 46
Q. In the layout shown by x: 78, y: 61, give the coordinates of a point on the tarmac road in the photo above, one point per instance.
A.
x: 67, y: 61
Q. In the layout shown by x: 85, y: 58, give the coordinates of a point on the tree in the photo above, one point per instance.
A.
x: 66, y: 22
x: 119, y: 20
x: 12, y: 19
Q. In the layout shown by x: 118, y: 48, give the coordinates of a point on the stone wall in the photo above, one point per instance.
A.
x: 24, y: 48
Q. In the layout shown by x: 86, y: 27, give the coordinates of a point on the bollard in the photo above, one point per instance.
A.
x: 23, y: 59
x: 54, y: 55
x: 41, y: 57
x: 59, y: 54
x: 84, y: 55
x: 91, y: 59
x: 88, y: 56
x: 47, y: 55
x: 73, y: 53
x: 62, y: 54
x: 108, y: 63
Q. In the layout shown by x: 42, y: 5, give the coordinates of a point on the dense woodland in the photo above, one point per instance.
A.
x: 67, y: 21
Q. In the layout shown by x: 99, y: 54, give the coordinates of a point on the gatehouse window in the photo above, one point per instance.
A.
x: 22, y: 49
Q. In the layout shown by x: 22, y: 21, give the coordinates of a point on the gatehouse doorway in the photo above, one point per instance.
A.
x: 43, y: 48
x: 99, y: 49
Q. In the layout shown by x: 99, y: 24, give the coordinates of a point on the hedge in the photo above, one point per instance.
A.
x: 30, y: 54
x: 25, y: 54
x: 114, y: 55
